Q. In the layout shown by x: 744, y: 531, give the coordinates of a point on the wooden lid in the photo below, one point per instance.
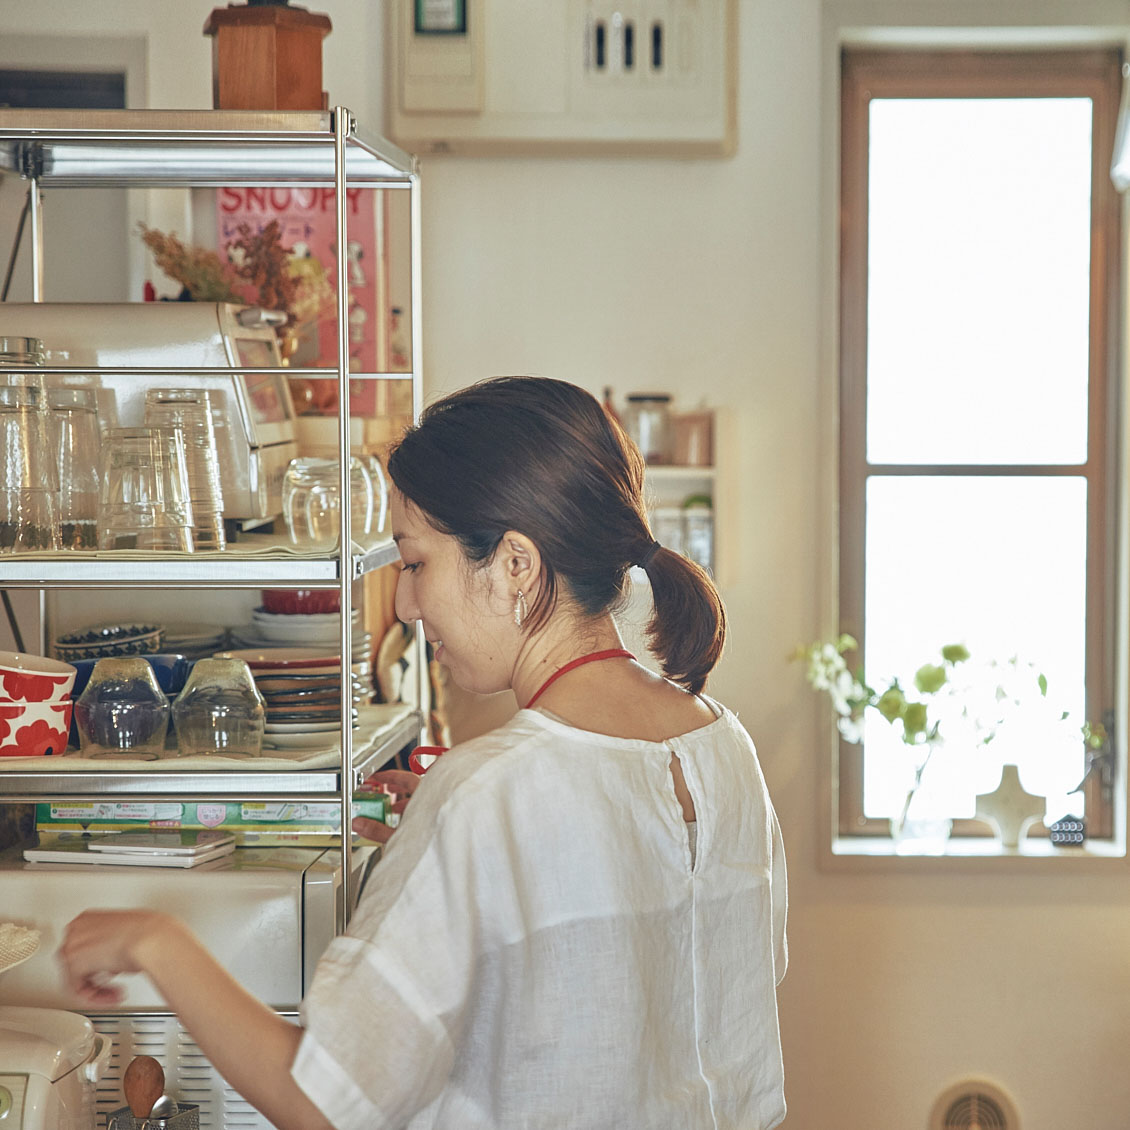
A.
x: 260, y: 15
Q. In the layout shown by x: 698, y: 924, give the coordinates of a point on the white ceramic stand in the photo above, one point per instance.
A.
x: 1009, y: 808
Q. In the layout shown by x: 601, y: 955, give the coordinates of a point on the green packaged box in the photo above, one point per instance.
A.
x: 264, y: 824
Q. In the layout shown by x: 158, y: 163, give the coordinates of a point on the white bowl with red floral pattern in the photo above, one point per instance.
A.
x: 35, y: 704
x: 34, y: 729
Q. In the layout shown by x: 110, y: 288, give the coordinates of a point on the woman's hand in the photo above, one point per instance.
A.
x: 100, y: 944
x: 397, y: 781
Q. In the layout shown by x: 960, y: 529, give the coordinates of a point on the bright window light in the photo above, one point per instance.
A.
x: 978, y: 290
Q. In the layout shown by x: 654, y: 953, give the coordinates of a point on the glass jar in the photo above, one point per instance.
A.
x: 220, y: 710
x: 698, y: 531
x: 122, y: 711
x: 311, y: 497
x: 647, y: 421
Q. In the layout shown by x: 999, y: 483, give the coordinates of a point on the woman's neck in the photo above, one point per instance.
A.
x: 559, y: 642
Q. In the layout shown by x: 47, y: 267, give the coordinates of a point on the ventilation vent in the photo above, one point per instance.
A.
x: 974, y: 1104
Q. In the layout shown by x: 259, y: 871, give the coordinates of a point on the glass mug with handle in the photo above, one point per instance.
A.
x: 312, y: 501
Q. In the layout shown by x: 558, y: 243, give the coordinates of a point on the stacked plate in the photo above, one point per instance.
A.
x: 321, y: 629
x: 302, y: 689
x: 195, y: 641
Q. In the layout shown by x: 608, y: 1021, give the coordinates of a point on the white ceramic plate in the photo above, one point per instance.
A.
x: 299, y: 741
x: 254, y: 640
x: 295, y: 634
x: 303, y: 727
x: 194, y: 633
x: 313, y: 619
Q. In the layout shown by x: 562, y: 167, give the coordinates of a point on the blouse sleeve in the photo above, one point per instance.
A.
x: 780, y: 901
x: 388, y: 1001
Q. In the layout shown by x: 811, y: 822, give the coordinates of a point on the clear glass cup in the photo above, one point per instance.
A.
x: 190, y: 409
x: 29, y: 516
x: 144, y: 502
x: 312, y: 501
x: 122, y: 711
x: 220, y: 710
x: 77, y: 443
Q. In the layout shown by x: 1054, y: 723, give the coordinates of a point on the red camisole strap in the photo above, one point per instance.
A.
x: 592, y: 657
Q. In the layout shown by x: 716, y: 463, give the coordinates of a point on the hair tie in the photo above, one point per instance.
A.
x: 648, y: 554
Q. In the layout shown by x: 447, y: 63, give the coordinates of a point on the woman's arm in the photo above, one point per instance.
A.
x: 251, y: 1046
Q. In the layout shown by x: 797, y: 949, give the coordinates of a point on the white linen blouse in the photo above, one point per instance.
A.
x: 537, y: 948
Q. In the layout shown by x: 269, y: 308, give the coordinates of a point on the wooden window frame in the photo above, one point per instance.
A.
x: 907, y: 73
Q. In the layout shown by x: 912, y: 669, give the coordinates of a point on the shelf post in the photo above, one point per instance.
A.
x: 343, y: 127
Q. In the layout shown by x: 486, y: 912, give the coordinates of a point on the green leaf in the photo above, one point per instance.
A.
x: 929, y: 679
x: 914, y: 720
x: 1042, y: 681
x: 955, y: 653
x: 891, y: 704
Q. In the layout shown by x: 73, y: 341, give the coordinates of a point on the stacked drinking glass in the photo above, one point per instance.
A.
x: 190, y: 410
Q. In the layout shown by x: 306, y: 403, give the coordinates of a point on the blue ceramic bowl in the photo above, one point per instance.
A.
x: 171, y: 671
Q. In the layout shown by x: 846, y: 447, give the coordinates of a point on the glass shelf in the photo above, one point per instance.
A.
x: 299, y: 784
x: 192, y: 149
x: 252, y: 566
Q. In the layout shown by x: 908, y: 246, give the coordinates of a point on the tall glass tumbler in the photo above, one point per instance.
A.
x: 77, y: 444
x: 190, y: 409
x: 144, y: 502
x: 29, y: 481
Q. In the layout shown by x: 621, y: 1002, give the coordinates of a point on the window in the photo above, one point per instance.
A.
x: 978, y: 344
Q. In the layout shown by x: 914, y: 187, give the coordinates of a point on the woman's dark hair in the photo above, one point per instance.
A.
x: 543, y: 457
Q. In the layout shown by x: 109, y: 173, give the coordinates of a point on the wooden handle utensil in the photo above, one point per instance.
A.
x: 143, y: 1084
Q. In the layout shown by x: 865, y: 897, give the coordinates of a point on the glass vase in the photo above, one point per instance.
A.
x: 921, y: 826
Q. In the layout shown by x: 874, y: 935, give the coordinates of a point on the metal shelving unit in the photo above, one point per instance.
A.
x: 214, y: 149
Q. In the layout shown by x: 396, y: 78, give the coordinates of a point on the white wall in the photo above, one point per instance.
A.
x: 717, y: 275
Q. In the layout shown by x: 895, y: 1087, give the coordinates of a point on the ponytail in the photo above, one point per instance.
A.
x: 688, y: 628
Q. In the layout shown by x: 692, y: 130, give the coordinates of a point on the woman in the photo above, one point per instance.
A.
x: 580, y: 920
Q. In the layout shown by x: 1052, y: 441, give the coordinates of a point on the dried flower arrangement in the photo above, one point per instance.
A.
x: 258, y: 271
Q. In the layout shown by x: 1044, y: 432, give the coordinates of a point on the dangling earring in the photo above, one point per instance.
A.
x: 520, y: 608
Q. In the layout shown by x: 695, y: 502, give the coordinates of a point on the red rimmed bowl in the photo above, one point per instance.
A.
x: 34, y: 678
x: 291, y: 602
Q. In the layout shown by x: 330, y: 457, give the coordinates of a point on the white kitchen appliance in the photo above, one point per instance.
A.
x: 255, y: 415
x: 265, y: 913
x: 50, y: 1061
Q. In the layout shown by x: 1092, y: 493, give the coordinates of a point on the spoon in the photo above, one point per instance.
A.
x: 164, y: 1107
x: 143, y: 1084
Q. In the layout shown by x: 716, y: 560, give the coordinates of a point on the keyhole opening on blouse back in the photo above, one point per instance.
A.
x: 682, y: 793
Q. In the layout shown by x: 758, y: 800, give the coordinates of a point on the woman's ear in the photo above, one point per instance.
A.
x: 520, y: 562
